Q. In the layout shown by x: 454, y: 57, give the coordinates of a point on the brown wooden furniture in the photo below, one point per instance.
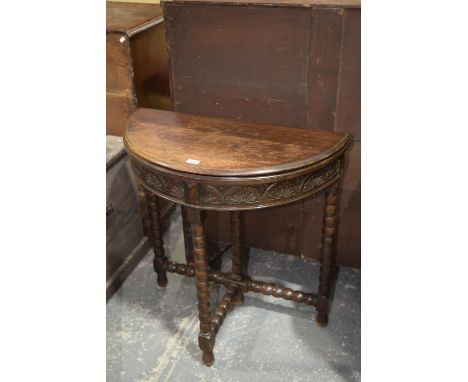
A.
x: 282, y: 62
x: 137, y: 62
x: 137, y: 68
x: 223, y: 165
x: 126, y: 243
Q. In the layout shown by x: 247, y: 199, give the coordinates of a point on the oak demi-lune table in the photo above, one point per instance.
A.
x: 211, y: 163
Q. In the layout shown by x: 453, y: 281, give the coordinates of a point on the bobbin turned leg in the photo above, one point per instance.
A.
x: 327, y: 259
x: 156, y: 238
x: 237, y: 255
x: 206, y: 336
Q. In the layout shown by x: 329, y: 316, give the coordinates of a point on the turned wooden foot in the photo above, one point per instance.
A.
x: 327, y: 259
x: 159, y: 259
x: 238, y: 298
x: 322, y: 319
x: 208, y: 358
x: 206, y: 336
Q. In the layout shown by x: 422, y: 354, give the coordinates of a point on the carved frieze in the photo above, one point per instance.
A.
x: 243, y: 195
x: 268, y: 193
x: 164, y: 184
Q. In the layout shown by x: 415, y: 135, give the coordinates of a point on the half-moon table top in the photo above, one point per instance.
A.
x: 221, y: 147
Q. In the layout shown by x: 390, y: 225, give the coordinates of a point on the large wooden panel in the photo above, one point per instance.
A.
x: 348, y: 109
x: 349, y: 232
x: 227, y: 60
x: 150, y: 65
x: 118, y: 110
x: 352, y: 173
x: 324, y: 64
x: 223, y: 64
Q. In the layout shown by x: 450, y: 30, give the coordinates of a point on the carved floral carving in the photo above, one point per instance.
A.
x: 270, y: 192
x: 241, y: 195
x: 164, y: 184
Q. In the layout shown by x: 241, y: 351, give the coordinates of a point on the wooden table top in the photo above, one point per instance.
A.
x: 221, y: 147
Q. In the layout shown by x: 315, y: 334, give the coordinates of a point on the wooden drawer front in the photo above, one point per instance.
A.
x: 118, y: 110
x: 119, y: 72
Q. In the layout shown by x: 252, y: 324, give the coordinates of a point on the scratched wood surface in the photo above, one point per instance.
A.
x: 219, y: 147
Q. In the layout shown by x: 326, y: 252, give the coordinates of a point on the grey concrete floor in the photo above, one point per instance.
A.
x: 152, y: 332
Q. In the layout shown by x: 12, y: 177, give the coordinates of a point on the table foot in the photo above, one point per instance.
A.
x: 238, y: 298
x: 322, y: 319
x: 208, y: 358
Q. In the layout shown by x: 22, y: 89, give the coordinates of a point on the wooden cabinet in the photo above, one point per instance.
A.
x: 125, y: 240
x: 280, y: 62
x: 137, y: 62
x: 136, y: 75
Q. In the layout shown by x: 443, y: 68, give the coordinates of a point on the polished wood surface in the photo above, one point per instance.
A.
x: 159, y: 142
x: 219, y: 147
x: 283, y: 63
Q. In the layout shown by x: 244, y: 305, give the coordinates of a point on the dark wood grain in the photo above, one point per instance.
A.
x: 348, y: 108
x: 223, y: 64
x: 352, y: 175
x: 225, y: 147
x: 324, y: 65
x: 218, y: 69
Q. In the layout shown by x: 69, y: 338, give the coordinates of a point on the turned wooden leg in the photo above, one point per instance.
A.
x: 237, y: 255
x: 206, y: 335
x: 327, y: 259
x: 156, y: 238
x: 187, y: 236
